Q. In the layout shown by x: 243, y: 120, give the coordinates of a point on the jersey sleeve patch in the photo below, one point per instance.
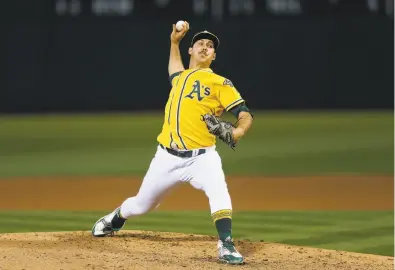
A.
x: 228, y: 82
x: 228, y: 95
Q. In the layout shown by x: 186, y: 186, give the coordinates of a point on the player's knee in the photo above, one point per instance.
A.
x: 219, y: 200
x: 217, y: 192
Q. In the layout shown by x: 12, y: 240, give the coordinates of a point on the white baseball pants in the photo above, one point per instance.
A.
x: 203, y: 172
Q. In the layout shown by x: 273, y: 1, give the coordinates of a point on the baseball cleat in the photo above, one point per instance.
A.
x: 108, y: 224
x: 227, y: 252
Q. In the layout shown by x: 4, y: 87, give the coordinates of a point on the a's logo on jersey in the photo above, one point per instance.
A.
x: 196, y: 90
x: 228, y: 82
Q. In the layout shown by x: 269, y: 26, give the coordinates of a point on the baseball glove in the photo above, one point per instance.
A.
x: 220, y: 128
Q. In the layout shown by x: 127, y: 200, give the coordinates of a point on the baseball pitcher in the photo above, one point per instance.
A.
x: 186, y: 146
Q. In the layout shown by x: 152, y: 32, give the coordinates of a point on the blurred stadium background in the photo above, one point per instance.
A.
x: 86, y: 81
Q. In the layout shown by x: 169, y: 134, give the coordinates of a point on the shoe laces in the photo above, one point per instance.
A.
x: 229, y: 245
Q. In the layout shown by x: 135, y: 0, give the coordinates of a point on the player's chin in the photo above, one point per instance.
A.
x: 206, y: 60
x: 204, y: 56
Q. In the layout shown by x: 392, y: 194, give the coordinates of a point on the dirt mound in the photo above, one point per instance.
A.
x: 154, y: 250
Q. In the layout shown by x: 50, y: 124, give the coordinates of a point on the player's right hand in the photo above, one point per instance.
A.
x: 176, y: 36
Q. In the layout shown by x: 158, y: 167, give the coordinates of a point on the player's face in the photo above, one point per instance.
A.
x: 203, y: 51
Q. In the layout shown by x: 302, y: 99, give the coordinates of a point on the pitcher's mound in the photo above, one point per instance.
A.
x: 159, y: 250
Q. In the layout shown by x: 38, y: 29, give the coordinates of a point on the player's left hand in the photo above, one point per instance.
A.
x: 222, y: 129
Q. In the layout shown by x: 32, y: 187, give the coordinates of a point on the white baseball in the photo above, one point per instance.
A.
x: 180, y: 25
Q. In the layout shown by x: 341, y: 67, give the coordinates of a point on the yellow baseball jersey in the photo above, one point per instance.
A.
x: 194, y: 93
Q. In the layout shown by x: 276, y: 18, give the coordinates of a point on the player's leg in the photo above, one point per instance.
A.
x: 156, y: 184
x: 209, y: 177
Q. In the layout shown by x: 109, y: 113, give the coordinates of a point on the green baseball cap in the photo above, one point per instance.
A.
x: 205, y: 35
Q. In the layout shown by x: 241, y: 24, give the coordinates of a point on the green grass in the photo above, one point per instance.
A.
x: 365, y: 232
x: 279, y: 143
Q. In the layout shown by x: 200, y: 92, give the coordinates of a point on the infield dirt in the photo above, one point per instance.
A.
x: 248, y: 193
x: 158, y: 250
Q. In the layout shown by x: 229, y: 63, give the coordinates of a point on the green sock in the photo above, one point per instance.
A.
x: 118, y: 221
x: 224, y: 228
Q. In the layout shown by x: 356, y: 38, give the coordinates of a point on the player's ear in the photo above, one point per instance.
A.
x: 215, y: 55
x: 190, y: 50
